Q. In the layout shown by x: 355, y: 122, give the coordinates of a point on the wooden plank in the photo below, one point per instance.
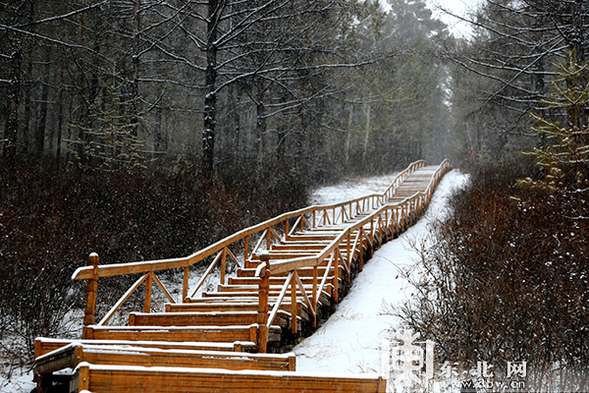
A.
x: 75, y: 353
x: 303, y: 271
x: 217, y: 318
x: 174, y: 333
x: 44, y: 346
x: 324, y: 299
x: 308, y: 279
x: 105, y: 379
x: 205, y: 305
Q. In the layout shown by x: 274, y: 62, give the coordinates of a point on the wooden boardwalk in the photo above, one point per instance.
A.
x: 292, y: 270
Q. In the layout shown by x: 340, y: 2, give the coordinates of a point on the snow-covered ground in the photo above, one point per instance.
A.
x: 350, y: 341
x: 17, y: 380
x: 351, y: 189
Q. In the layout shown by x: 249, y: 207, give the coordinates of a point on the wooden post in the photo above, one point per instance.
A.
x: 185, y: 285
x: 223, y: 265
x: 148, y: 287
x: 386, y: 226
x: 361, y: 245
x: 349, y: 258
x: 380, y: 234
x: 396, y: 222
x: 264, y: 289
x: 315, y: 298
x: 91, y: 289
x: 293, y: 303
x: 336, y: 276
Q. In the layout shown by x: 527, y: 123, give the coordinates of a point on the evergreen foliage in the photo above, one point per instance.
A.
x: 563, y: 153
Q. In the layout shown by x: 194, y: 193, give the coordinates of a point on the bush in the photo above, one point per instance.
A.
x: 507, y: 281
x: 52, y: 218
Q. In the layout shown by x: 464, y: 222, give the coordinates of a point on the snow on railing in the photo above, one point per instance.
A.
x: 397, y: 218
x: 278, y: 228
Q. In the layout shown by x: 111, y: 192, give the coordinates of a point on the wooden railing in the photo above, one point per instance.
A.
x: 358, y: 237
x: 263, y: 234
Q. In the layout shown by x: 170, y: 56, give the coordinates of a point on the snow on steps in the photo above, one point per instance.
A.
x: 181, y: 350
x: 131, y: 379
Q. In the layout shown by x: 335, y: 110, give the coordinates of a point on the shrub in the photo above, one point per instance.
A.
x: 507, y: 280
x: 52, y: 218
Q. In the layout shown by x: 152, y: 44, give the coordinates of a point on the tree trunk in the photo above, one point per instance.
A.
x: 210, y: 101
x: 281, y: 145
x: 235, y: 129
x: 160, y: 138
x: 12, y: 129
x: 260, y: 129
x: 367, y: 130
x: 135, y: 79
x: 349, y: 134
x: 578, y: 115
x: 39, y: 137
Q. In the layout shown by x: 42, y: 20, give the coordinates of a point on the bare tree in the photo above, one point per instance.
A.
x: 515, y: 48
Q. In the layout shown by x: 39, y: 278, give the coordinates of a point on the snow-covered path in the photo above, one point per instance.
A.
x: 350, y: 341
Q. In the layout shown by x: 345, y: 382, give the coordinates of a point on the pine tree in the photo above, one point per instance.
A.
x: 563, y: 155
x: 111, y: 141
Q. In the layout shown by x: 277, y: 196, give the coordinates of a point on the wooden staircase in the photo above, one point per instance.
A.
x: 300, y: 267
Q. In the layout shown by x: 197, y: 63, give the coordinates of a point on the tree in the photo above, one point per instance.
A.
x: 110, y: 142
x: 563, y: 155
x: 515, y: 47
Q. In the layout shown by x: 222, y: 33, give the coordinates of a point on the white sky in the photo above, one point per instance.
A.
x: 459, y: 7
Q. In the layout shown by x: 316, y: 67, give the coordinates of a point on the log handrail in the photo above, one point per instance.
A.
x: 298, y: 263
x: 86, y: 272
x: 415, y: 203
x: 221, y: 248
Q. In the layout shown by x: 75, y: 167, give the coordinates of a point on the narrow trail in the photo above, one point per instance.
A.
x: 295, y: 270
x: 350, y: 341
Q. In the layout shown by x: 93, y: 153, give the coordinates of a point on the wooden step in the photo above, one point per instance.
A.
x: 45, y: 345
x: 73, y: 354
x: 254, y: 264
x: 294, y: 246
x: 212, y: 318
x: 303, y: 272
x: 131, y: 379
x: 325, y: 297
x: 173, y: 333
x: 273, y: 280
x: 273, y: 288
x: 209, y: 304
x: 314, y: 237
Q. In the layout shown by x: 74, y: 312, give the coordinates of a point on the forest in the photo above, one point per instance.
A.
x: 311, y: 85
x: 145, y: 129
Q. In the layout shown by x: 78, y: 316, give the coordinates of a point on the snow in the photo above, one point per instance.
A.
x: 167, y: 369
x: 351, y: 189
x: 16, y: 380
x: 350, y: 341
